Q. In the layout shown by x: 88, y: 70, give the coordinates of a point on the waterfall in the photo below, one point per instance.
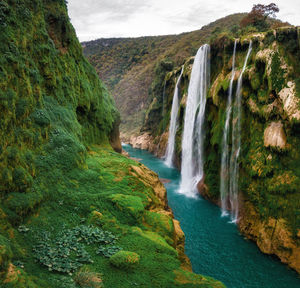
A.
x: 169, y: 156
x: 224, y: 177
x: 236, y: 144
x: 192, y: 140
x: 163, y: 105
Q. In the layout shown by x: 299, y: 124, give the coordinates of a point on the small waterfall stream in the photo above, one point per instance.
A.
x: 169, y: 156
x: 192, y: 140
x: 224, y: 177
x: 163, y: 105
x: 236, y: 144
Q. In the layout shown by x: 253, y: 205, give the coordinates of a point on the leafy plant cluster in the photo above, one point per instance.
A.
x: 67, y: 252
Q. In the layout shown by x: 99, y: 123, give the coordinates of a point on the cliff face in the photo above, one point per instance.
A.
x: 269, y: 173
x: 68, y: 201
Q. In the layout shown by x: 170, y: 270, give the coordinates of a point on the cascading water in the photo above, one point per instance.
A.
x: 224, y: 177
x: 192, y: 141
x: 169, y: 156
x: 163, y: 105
x: 236, y: 144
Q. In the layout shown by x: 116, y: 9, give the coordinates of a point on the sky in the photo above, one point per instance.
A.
x: 95, y: 19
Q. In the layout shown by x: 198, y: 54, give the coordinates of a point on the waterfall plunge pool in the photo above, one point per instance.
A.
x: 213, y: 244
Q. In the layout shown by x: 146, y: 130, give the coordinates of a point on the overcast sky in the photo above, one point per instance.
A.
x: 95, y: 19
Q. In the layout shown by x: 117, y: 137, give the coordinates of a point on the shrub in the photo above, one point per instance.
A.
x: 88, y: 279
x: 125, y: 260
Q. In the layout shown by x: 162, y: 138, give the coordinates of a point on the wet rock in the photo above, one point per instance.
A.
x: 202, y: 188
x: 272, y: 236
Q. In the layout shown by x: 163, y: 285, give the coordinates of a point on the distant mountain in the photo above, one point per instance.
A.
x: 128, y: 65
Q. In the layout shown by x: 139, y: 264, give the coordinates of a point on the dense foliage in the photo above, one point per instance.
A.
x: 258, y: 16
x: 68, y: 205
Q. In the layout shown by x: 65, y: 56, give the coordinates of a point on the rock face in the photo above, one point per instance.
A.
x: 151, y: 180
x: 269, y: 134
x: 274, y: 136
x: 156, y: 145
x: 271, y: 236
x: 114, y: 138
x: 291, y: 103
x: 202, y: 188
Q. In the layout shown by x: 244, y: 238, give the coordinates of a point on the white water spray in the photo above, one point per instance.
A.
x: 193, y: 136
x: 169, y: 156
x: 224, y: 177
x: 236, y: 145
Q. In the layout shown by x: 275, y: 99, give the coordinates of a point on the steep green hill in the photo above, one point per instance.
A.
x: 68, y: 201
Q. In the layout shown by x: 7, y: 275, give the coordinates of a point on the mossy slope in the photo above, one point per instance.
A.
x: 64, y: 202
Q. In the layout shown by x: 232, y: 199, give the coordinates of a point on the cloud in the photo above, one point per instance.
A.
x: 94, y: 19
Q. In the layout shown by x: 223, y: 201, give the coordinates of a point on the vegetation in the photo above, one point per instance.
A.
x: 67, y: 204
x: 269, y: 176
x: 127, y: 65
x: 259, y: 15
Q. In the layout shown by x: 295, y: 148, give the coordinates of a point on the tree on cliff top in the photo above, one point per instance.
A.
x: 259, y: 15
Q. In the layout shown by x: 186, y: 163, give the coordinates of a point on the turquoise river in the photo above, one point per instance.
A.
x: 214, y: 245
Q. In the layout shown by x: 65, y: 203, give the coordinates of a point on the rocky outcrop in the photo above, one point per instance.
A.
x: 143, y: 141
x: 274, y: 136
x: 291, y: 103
x: 272, y: 236
x: 151, y: 180
x: 114, y: 138
x: 156, y: 145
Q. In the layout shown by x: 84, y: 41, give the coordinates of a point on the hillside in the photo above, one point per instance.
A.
x: 73, y: 212
x: 128, y: 65
x: 133, y: 68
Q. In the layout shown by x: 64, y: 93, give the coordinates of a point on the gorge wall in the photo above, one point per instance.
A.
x: 68, y: 201
x: 269, y: 174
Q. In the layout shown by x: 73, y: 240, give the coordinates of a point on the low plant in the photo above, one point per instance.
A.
x: 88, y: 279
x: 125, y: 260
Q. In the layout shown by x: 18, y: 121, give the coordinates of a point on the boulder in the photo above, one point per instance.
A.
x: 202, y: 188
x: 290, y: 101
x: 274, y: 136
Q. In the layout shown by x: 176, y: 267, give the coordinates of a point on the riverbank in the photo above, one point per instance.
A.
x: 213, y: 244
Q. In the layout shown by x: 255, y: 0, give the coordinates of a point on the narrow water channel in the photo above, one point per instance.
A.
x: 214, y: 245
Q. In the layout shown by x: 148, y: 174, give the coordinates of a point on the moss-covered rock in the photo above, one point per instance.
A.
x: 125, y: 260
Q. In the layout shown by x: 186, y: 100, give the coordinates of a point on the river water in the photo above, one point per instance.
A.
x: 213, y: 244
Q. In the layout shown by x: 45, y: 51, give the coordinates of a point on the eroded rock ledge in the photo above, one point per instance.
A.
x: 271, y: 236
x: 151, y: 180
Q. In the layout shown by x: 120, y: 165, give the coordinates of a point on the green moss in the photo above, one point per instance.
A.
x: 5, y: 253
x: 255, y: 81
x: 132, y: 205
x: 125, y: 260
x: 277, y: 74
x: 160, y: 223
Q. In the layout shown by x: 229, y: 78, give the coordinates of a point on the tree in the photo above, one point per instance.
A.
x: 259, y: 15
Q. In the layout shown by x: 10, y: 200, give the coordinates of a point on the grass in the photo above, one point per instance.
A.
x: 67, y: 205
x: 68, y: 240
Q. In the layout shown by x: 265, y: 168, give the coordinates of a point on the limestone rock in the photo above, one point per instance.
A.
x: 274, y: 136
x: 253, y: 106
x: 150, y: 179
x: 266, y: 56
x: 202, y: 188
x: 272, y: 236
x: 290, y: 101
x: 141, y: 141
